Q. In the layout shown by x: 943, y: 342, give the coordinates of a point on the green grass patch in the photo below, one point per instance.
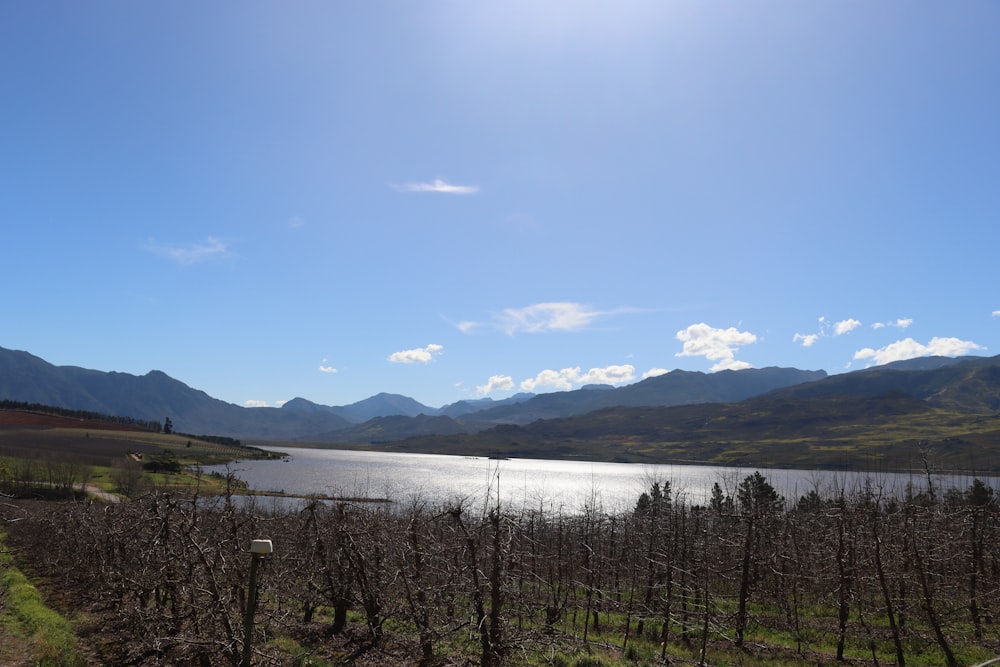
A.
x: 50, y: 637
x: 296, y: 654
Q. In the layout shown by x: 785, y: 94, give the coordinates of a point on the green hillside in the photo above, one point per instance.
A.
x: 850, y: 432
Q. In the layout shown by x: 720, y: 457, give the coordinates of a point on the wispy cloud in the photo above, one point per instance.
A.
x: 420, y: 355
x: 718, y: 345
x: 495, y: 383
x: 326, y: 367
x: 543, y: 317
x: 996, y: 313
x: 557, y: 316
x: 654, y: 372
x: 827, y: 329
x: 295, y: 222
x: 807, y: 340
x: 437, y: 185
x: 209, y: 249
x: 911, y: 349
x: 901, y: 323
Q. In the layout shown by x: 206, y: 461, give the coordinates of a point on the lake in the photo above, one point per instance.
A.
x: 534, y: 483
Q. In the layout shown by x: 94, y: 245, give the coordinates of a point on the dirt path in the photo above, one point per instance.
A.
x: 100, y: 494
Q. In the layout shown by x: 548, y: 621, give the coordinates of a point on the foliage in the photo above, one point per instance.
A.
x: 757, y: 497
x: 655, y: 501
x: 166, y: 462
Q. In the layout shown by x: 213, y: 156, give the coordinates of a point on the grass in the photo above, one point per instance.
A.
x: 298, y: 655
x: 770, y: 643
x: 41, y: 633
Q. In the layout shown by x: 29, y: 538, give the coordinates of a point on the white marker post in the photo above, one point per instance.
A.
x: 258, y: 550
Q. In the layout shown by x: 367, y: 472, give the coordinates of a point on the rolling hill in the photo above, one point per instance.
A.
x: 943, y: 411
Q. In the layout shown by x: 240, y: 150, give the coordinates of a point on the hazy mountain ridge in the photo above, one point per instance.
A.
x: 153, y: 396
x: 969, y: 384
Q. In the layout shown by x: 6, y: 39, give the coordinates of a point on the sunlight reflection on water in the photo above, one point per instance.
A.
x: 532, y: 483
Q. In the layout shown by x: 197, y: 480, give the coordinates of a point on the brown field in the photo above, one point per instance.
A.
x: 36, y: 435
x: 33, y: 435
x: 24, y: 418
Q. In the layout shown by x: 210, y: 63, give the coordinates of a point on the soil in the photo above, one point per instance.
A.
x: 23, y: 418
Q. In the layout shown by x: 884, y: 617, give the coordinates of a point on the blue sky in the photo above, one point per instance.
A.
x: 454, y: 200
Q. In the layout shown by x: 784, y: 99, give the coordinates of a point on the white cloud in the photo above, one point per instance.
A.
x: 495, y: 383
x: 263, y: 404
x: 420, y: 355
x: 718, y: 345
x: 730, y: 365
x: 996, y: 313
x: 654, y: 372
x: 295, y: 222
x: 807, y: 339
x: 568, y: 378
x: 901, y: 323
x: 911, y: 349
x: 609, y: 375
x: 330, y: 370
x: 553, y: 316
x: 562, y: 380
x: 210, y: 248
x: 839, y: 329
x: 467, y: 326
x: 845, y: 326
x: 437, y: 185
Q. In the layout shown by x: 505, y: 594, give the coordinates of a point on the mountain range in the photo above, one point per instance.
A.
x: 723, y: 417
x: 383, y: 417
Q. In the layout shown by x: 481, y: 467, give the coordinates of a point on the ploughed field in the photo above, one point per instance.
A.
x: 97, y: 442
x: 34, y: 433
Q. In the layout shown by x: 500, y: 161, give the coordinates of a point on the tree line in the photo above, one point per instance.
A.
x: 848, y: 574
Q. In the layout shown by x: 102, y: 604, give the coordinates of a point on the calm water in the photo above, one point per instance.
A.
x: 532, y: 483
